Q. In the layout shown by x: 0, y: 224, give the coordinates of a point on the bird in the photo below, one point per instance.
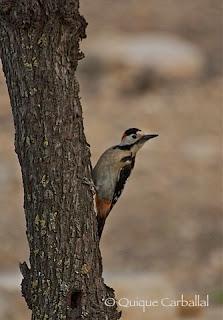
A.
x: 112, y: 170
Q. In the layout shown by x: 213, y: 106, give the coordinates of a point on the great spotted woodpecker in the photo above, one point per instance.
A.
x: 113, y: 169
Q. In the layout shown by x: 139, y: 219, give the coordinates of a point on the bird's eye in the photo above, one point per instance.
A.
x: 134, y: 136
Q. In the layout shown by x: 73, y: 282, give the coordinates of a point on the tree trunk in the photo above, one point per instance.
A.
x: 40, y: 51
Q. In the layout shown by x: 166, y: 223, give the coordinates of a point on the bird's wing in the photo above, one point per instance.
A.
x: 123, y: 176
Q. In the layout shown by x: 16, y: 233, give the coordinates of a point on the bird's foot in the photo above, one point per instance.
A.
x: 90, y: 183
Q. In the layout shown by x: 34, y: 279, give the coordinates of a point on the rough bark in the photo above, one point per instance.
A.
x: 39, y: 52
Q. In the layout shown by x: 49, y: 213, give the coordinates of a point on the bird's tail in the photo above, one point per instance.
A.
x: 101, y: 223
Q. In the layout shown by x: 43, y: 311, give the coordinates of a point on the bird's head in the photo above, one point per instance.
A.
x: 133, y: 139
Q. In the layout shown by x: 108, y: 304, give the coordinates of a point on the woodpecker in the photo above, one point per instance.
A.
x: 113, y: 169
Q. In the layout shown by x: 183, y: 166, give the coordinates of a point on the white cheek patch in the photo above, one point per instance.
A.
x: 127, y: 140
x: 130, y: 140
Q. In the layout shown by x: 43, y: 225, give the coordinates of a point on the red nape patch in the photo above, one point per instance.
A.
x: 74, y: 298
x: 124, y: 135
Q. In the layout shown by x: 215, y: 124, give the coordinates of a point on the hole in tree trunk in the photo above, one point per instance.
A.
x: 74, y: 299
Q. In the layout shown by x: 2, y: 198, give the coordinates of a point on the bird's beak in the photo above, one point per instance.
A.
x: 147, y: 137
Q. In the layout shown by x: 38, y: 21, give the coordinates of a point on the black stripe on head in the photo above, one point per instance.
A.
x: 124, y: 147
x: 131, y: 131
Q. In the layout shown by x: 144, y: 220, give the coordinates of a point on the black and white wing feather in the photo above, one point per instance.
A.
x: 123, y: 176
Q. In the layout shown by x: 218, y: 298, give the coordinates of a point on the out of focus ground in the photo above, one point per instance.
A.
x: 167, y: 226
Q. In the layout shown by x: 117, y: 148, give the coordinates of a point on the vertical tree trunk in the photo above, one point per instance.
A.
x: 40, y: 51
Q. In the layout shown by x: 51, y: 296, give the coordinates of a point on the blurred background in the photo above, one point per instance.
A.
x: 155, y: 65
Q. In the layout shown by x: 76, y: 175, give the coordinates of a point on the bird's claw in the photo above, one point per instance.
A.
x: 90, y: 183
